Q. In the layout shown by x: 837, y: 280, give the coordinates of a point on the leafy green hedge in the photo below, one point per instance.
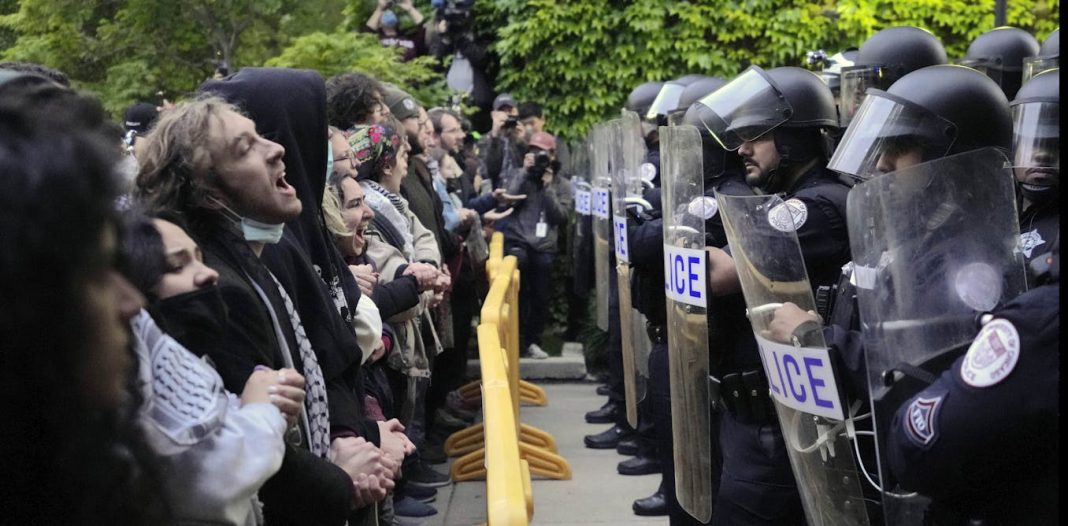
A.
x: 580, y: 59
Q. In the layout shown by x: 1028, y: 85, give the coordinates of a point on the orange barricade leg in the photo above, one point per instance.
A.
x: 533, y: 436
x: 544, y: 463
x: 471, y: 466
x: 465, y: 441
x: 532, y: 394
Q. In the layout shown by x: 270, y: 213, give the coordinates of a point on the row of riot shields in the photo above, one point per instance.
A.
x: 932, y: 246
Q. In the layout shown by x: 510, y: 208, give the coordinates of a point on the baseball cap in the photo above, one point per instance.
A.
x: 140, y: 117
x: 503, y: 100
x: 401, y: 104
x: 543, y: 140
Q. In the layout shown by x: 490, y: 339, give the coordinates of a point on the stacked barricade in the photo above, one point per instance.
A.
x: 501, y: 449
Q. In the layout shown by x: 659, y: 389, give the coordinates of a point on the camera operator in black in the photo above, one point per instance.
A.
x: 784, y: 152
x: 530, y: 235
x: 471, y: 69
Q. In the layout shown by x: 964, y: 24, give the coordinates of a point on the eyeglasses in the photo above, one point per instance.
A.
x: 349, y: 156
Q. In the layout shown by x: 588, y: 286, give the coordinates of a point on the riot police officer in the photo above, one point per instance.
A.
x: 1000, y: 53
x: 883, y: 58
x: 927, y: 102
x: 989, y: 452
x: 781, y: 122
x: 1036, y: 161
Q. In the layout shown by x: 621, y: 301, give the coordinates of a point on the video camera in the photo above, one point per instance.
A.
x: 456, y: 13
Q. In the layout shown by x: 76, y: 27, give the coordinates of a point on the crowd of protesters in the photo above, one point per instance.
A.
x: 261, y: 298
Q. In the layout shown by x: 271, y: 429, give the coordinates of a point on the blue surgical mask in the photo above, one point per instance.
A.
x: 389, y: 18
x: 252, y: 230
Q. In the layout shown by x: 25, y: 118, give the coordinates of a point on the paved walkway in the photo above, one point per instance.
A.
x: 596, y: 494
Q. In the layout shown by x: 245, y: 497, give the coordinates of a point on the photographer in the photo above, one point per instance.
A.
x: 386, y: 24
x: 530, y: 235
x: 501, y: 149
x: 453, y: 35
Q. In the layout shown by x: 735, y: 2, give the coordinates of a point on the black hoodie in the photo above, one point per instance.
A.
x: 289, y: 108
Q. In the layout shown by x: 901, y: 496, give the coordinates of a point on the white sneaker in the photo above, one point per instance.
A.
x: 536, y: 352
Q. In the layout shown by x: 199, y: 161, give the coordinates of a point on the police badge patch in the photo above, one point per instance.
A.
x: 788, y: 216
x: 921, y: 420
x: 1030, y: 240
x: 704, y: 207
x: 992, y: 355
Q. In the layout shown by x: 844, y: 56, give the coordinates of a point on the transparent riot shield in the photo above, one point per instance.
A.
x: 763, y: 242
x: 933, y: 245
x: 685, y: 209
x: 602, y: 228
x: 581, y: 235
x: 627, y: 192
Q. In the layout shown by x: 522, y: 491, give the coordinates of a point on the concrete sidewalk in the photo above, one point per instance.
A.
x: 596, y: 494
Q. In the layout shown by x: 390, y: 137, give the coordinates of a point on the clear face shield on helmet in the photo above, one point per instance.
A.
x: 1036, y: 156
x: 855, y: 82
x: 665, y: 101
x: 989, y: 66
x: 1034, y: 65
x: 744, y: 109
x: 888, y: 134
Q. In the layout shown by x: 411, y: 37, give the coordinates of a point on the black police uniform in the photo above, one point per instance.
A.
x: 982, y: 440
x: 646, y: 240
x: 758, y: 485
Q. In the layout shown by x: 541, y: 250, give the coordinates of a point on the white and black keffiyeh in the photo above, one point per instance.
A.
x: 184, y: 398
x: 315, y: 402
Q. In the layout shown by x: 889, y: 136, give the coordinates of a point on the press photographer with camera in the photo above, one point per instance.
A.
x: 385, y: 22
x: 530, y: 235
x: 502, y: 148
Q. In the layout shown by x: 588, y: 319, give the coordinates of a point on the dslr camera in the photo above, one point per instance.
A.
x: 542, y: 162
x: 456, y: 13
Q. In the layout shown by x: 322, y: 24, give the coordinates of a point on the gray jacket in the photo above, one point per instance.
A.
x: 541, y: 204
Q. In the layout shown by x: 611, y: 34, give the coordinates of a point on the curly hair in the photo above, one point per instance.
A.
x: 351, y: 98
x: 176, y: 166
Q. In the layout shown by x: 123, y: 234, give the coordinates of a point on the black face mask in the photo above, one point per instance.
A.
x: 195, y: 319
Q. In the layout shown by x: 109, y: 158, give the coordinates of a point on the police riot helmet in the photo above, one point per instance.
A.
x: 642, y: 97
x: 932, y: 112
x: 695, y: 91
x: 1049, y: 54
x: 1036, y: 135
x: 666, y: 100
x: 793, y: 101
x: 882, y: 59
x: 1000, y: 53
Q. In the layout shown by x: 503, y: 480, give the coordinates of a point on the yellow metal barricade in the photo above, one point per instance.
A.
x: 528, y: 392
x: 500, y: 314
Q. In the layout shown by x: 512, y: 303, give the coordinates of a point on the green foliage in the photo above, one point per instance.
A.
x: 339, y: 52
x: 128, y: 50
x: 580, y: 59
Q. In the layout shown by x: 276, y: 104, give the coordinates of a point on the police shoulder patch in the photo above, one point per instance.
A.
x: 704, y: 207
x: 921, y: 420
x: 992, y: 355
x: 788, y: 216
